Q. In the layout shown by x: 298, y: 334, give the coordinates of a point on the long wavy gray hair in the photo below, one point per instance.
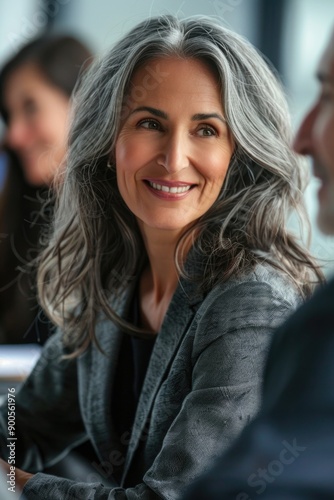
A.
x: 95, y: 247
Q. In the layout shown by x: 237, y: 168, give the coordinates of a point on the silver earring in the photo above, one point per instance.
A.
x: 109, y: 165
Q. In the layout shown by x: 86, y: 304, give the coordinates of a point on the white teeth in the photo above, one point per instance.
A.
x: 166, y: 189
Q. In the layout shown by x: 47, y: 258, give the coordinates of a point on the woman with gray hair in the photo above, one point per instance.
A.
x: 169, y: 264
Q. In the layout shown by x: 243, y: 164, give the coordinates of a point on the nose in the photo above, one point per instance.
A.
x: 17, y: 135
x: 175, y: 152
x: 303, y: 141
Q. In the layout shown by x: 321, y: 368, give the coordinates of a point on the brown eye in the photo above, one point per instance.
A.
x: 149, y: 124
x: 30, y: 107
x: 207, y: 131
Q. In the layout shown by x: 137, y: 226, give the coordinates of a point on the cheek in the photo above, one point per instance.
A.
x: 53, y: 119
x: 47, y: 130
x: 218, y: 164
x: 61, y: 132
x: 130, y: 155
x: 124, y: 158
x: 324, y: 134
x: 329, y: 140
x: 124, y: 151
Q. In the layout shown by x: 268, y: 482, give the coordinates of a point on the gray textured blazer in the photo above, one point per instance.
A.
x: 201, y: 388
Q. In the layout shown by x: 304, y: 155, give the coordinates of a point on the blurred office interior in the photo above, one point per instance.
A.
x: 291, y: 34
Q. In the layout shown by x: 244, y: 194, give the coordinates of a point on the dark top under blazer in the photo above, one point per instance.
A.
x: 287, y: 452
x: 201, y: 388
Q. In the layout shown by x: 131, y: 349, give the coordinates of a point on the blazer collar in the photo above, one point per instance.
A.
x: 99, y: 369
x: 179, y: 315
x: 102, y: 367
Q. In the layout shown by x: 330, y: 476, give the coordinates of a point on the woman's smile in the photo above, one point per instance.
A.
x: 166, y: 190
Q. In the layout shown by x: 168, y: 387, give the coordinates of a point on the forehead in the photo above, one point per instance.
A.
x: 26, y: 74
x: 167, y: 78
x: 326, y: 64
x: 171, y: 68
x: 23, y: 79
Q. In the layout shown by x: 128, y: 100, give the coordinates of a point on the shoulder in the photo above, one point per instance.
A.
x: 236, y: 320
x: 313, y: 317
x: 264, y: 276
x: 254, y: 294
x: 246, y: 309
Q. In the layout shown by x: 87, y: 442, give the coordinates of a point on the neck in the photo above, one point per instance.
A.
x: 159, y: 280
x: 161, y: 275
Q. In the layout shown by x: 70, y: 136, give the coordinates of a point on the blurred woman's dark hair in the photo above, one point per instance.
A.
x: 60, y: 60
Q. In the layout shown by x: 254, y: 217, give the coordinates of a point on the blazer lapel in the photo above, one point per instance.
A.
x: 178, y: 317
x: 96, y: 376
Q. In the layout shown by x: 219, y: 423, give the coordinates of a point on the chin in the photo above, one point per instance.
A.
x: 34, y: 180
x: 37, y: 176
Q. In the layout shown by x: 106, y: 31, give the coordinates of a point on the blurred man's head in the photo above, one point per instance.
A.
x: 316, y: 138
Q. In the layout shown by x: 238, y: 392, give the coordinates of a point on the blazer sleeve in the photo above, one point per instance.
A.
x: 287, y: 452
x: 230, y: 336
x: 231, y: 341
x: 49, y: 394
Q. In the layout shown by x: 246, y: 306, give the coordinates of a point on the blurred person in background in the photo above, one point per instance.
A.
x: 169, y: 265
x: 35, y: 89
x: 287, y: 452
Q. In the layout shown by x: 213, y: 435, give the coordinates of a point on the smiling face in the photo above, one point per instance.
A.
x: 37, y: 123
x: 174, y: 147
x: 316, y: 138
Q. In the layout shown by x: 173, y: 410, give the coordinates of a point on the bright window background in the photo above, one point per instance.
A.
x: 308, y: 27
x: 19, y: 20
x: 103, y: 22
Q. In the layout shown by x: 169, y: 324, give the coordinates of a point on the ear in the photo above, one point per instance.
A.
x: 111, y: 161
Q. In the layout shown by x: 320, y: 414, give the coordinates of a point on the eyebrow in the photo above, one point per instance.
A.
x: 161, y: 114
x: 207, y: 116
x: 153, y: 111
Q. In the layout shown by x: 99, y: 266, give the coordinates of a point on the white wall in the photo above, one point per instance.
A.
x: 102, y: 22
x: 19, y: 21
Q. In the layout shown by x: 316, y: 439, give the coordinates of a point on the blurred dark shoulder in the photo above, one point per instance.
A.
x: 22, y: 222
